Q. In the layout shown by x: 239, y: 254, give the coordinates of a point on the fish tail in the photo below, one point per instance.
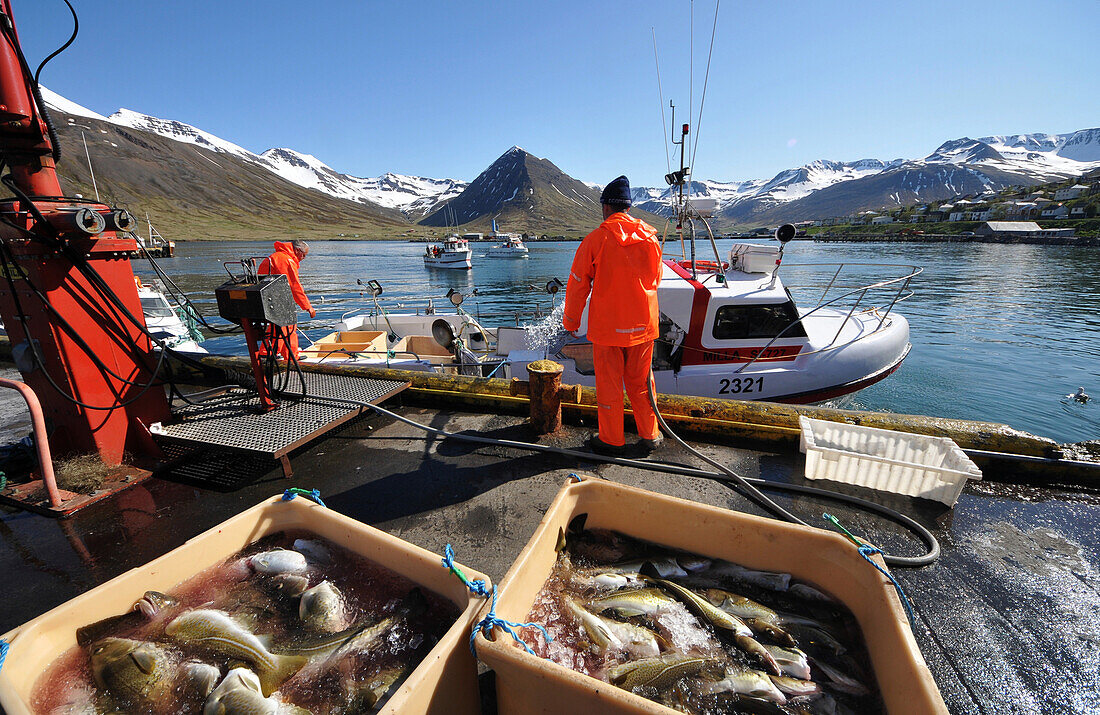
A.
x: 282, y: 669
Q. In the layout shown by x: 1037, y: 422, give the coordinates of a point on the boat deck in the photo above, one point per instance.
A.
x: 1006, y: 619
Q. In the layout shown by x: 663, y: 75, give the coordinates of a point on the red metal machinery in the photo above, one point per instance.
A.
x: 67, y: 292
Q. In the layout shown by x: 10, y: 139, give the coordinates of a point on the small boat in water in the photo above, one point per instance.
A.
x: 511, y: 246
x: 164, y: 321
x: 453, y: 252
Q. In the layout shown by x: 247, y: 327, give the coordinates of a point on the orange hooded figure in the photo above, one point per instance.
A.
x: 284, y: 261
x: 619, y: 264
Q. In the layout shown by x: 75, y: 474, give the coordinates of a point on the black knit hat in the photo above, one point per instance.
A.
x: 617, y: 193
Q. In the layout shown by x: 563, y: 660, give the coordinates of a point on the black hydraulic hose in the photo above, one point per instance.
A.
x: 910, y: 524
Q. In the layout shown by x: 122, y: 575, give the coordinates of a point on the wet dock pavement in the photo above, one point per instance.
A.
x: 1007, y: 619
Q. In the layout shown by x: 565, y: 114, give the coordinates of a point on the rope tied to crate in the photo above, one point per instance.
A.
x: 3, y: 652
x: 491, y: 620
x: 575, y: 478
x: 477, y: 587
x: 314, y: 494
x: 866, y: 551
x: 486, y: 625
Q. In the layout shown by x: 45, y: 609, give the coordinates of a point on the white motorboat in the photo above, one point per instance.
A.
x: 727, y: 331
x: 166, y: 322
x: 734, y: 331
x: 510, y: 246
x: 453, y: 252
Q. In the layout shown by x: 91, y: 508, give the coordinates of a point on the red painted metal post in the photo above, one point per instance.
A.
x: 67, y: 293
x: 252, y: 333
x: 41, y: 440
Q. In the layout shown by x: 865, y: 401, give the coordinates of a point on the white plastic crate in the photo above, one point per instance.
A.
x: 899, y: 462
x: 754, y: 257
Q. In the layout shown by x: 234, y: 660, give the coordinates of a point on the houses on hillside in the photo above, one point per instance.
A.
x: 1075, y: 201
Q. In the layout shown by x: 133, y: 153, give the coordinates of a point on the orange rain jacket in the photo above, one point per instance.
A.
x: 285, y: 261
x: 620, y: 264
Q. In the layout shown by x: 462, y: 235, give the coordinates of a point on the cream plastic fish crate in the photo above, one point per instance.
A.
x: 898, y: 462
x: 444, y: 682
x: 529, y: 684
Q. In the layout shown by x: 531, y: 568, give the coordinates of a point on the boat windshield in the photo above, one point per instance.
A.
x: 738, y: 322
x: 156, y: 307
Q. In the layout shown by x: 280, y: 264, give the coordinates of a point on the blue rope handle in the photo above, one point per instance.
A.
x: 477, y: 587
x: 313, y: 494
x: 575, y: 478
x: 486, y: 625
x: 3, y: 652
x: 866, y: 551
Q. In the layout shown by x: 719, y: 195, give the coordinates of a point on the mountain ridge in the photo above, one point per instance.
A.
x: 523, y: 191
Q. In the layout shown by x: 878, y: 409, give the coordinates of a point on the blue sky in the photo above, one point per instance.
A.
x: 441, y: 89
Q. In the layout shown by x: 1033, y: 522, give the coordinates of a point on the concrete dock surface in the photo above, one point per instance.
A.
x: 1008, y: 619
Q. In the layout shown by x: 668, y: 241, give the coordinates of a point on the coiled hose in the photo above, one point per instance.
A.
x: 749, y: 487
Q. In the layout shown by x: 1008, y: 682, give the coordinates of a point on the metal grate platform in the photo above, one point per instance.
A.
x: 233, y: 421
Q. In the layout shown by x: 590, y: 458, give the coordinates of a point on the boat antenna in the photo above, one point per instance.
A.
x: 661, y: 100
x: 706, y: 78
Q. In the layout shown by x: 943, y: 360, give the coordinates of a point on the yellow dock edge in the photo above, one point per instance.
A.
x: 761, y: 421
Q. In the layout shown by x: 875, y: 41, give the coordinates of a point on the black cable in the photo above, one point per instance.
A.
x: 909, y: 523
x: 178, y: 293
x: 8, y: 31
x: 59, y: 50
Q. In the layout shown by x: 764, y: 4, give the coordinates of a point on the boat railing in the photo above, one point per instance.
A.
x: 427, y: 307
x: 894, y: 289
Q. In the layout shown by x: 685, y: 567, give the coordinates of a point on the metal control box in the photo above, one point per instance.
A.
x: 266, y: 299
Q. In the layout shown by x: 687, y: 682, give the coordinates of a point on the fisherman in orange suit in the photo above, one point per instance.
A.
x: 620, y: 265
x: 285, y: 261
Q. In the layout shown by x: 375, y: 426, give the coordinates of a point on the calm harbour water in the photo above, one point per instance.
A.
x: 1000, y: 332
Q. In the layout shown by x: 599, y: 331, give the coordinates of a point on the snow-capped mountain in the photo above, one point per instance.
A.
x: 957, y: 167
x: 412, y: 195
x: 535, y: 188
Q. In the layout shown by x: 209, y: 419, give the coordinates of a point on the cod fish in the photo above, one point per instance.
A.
x: 278, y: 561
x: 770, y: 580
x: 239, y: 693
x: 216, y: 632
x: 145, y: 609
x: 137, y: 673
x: 287, y: 584
x: 665, y: 567
x: 321, y: 608
x: 314, y: 551
x: 795, y: 687
x: 740, y: 606
x: 659, y: 673
x: 612, y: 635
x: 723, y: 621
x: 841, y: 681
x: 746, y: 681
x: 636, y: 602
x: 791, y: 661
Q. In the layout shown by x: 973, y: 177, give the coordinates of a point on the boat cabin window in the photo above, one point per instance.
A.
x: 156, y: 307
x: 738, y: 322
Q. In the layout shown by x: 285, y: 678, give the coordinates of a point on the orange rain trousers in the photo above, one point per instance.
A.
x: 615, y: 367
x: 285, y: 261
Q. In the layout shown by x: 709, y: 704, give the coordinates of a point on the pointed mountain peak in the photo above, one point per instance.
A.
x: 962, y: 151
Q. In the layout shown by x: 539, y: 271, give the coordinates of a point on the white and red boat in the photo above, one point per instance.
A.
x: 734, y: 331
x: 453, y: 252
